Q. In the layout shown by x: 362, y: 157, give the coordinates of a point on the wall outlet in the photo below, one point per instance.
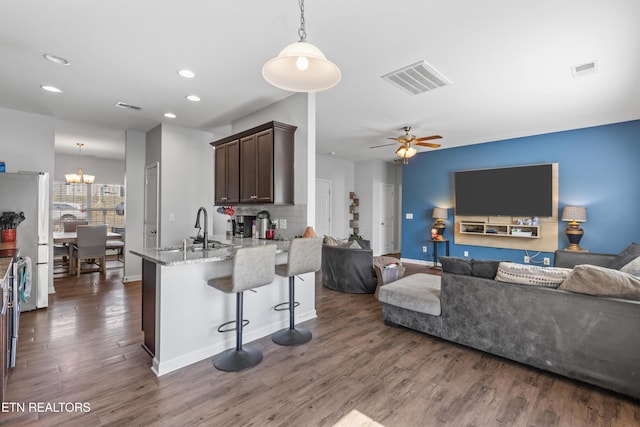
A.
x: 283, y: 223
x: 172, y: 217
x: 408, y: 216
x: 275, y: 222
x: 466, y: 253
x: 547, y: 261
x: 424, y: 249
x: 527, y: 259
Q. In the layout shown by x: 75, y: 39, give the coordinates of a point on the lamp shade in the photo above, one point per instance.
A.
x: 440, y: 213
x: 301, y: 67
x: 574, y: 213
x: 406, y: 152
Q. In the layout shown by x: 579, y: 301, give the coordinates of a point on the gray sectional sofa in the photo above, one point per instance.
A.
x: 594, y: 339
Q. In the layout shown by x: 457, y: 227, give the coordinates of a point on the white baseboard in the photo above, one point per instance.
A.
x: 134, y: 278
x: 419, y: 261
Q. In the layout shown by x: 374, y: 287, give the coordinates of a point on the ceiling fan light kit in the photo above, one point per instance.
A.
x: 301, y: 66
x: 407, y: 141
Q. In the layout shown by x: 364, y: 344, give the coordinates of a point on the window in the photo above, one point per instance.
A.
x: 96, y: 203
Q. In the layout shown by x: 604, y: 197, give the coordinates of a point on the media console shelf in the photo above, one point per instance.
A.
x: 503, y: 230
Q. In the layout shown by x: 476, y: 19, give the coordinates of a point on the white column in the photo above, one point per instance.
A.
x: 311, y: 159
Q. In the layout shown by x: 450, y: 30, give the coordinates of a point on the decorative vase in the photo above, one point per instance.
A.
x: 9, y: 235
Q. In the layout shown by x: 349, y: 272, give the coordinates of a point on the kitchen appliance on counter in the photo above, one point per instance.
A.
x: 263, y: 223
x: 244, y: 224
x: 28, y: 192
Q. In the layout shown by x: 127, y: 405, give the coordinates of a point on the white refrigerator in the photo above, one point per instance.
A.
x: 28, y: 192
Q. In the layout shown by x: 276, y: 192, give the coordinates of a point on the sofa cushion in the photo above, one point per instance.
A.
x: 602, y: 281
x: 486, y: 269
x: 550, y: 277
x: 455, y: 265
x: 353, y: 244
x: 418, y: 292
x: 626, y: 256
x: 632, y: 267
x: 332, y: 241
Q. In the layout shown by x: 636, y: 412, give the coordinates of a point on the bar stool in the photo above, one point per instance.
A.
x: 252, y: 267
x: 305, y: 256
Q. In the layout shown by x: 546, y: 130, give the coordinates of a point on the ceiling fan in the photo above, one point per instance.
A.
x: 405, y: 151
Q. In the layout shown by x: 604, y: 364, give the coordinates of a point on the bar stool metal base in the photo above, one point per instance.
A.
x: 291, y: 337
x: 234, y: 360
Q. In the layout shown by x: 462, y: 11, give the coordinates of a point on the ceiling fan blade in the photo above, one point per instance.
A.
x: 428, y: 138
x: 383, y: 145
x: 427, y: 144
x: 396, y: 139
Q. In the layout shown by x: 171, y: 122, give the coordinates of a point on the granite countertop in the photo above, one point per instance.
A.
x: 223, y: 249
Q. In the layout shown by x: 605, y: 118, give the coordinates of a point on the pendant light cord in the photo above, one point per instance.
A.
x: 301, y: 31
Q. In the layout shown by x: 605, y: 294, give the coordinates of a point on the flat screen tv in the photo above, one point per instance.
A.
x: 525, y: 191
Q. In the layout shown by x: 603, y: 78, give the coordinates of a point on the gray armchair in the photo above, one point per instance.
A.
x: 349, y: 270
x: 91, y: 244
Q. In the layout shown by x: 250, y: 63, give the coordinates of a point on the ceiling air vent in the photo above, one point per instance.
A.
x: 126, y: 106
x: 417, y: 78
x: 584, y: 69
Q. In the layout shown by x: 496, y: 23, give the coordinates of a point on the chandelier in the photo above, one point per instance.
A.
x: 79, y: 177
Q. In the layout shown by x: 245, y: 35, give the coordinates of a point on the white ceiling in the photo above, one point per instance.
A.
x: 509, y: 62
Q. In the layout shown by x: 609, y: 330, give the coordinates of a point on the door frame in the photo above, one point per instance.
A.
x: 147, y: 169
x: 330, y: 182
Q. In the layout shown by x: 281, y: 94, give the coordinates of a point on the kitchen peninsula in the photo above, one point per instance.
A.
x: 181, y: 313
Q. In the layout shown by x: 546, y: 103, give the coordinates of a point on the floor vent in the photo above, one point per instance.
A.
x: 126, y: 106
x: 584, y: 69
x: 417, y: 78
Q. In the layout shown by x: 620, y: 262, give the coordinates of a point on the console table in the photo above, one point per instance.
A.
x: 435, y: 242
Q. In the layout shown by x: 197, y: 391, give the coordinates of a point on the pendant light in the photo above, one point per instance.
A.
x: 79, y: 177
x: 301, y: 66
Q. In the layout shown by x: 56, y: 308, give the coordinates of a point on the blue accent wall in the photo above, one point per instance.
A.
x: 599, y: 168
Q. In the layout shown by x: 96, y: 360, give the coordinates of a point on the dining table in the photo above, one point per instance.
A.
x: 70, y: 237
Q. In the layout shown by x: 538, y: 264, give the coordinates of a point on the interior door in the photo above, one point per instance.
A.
x: 387, y: 204
x: 151, y: 210
x: 323, y: 207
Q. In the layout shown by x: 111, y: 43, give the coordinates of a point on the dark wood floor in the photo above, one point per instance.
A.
x: 85, y: 348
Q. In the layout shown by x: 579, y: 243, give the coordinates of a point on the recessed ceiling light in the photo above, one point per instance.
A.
x: 55, y: 59
x: 49, y: 88
x: 170, y: 115
x: 187, y: 74
x: 194, y: 98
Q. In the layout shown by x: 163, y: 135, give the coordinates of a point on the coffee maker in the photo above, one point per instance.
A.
x: 263, y: 223
x: 243, y: 225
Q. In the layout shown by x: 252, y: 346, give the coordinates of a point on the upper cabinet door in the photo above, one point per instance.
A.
x: 264, y: 166
x: 248, y: 156
x: 227, y: 173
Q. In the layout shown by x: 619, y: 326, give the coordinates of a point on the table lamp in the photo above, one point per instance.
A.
x: 573, y: 215
x: 439, y: 214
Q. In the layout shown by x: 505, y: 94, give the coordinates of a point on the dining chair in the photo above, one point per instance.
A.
x: 91, y: 244
x: 113, y: 244
x: 71, y: 226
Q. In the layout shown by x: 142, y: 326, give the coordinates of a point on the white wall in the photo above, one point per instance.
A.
x: 106, y: 171
x: 341, y: 174
x: 368, y: 177
x: 27, y: 141
x: 27, y: 144
x: 134, y: 202
x: 186, y: 182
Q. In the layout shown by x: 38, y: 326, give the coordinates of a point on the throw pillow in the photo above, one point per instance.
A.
x: 601, y: 281
x: 550, y: 277
x: 625, y: 257
x: 332, y: 241
x: 352, y: 245
x: 633, y: 267
x: 484, y: 268
x: 455, y: 265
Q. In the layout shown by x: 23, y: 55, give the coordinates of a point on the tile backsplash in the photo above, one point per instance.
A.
x: 296, y: 216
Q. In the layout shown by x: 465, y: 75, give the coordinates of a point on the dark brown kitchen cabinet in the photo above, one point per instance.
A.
x: 265, y: 164
x: 227, y: 173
